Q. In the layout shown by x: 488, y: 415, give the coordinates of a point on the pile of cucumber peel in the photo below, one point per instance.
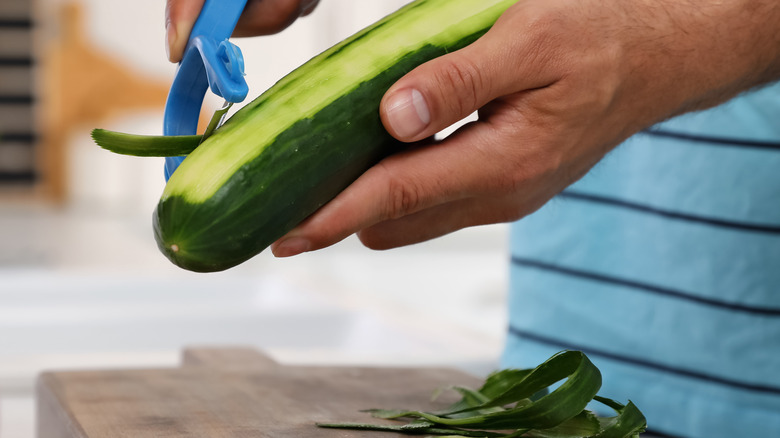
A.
x: 519, y: 403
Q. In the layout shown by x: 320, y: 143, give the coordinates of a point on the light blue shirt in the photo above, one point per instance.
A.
x: 663, y: 265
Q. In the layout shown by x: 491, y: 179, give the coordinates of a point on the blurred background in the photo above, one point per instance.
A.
x: 82, y: 284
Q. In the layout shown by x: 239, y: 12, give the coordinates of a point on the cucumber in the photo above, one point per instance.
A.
x: 296, y: 146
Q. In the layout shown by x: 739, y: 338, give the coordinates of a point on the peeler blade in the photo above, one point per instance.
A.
x: 216, y: 120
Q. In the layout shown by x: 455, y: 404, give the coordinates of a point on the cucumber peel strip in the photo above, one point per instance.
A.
x: 145, y: 145
x: 513, y: 403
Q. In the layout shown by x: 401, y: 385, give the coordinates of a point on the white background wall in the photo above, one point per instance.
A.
x: 84, y: 286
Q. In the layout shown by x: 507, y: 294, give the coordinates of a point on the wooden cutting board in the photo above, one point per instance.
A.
x: 230, y: 393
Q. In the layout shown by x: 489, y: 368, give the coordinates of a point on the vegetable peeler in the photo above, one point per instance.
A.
x: 210, y: 61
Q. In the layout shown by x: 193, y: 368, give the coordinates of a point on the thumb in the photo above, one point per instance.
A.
x: 180, y: 16
x: 439, y: 93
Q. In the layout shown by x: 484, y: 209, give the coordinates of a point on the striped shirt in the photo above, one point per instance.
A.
x: 663, y: 265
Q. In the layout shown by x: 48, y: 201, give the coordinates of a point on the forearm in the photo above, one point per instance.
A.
x: 714, y: 50
x: 754, y: 39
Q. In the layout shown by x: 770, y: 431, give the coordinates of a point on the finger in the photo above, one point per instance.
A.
x: 438, y: 221
x: 445, y: 90
x: 517, y: 154
x: 180, y: 16
x: 264, y: 17
x: 400, y: 185
x: 446, y: 218
x: 308, y: 6
x: 260, y: 17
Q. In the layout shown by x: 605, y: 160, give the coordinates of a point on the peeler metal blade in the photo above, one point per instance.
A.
x: 216, y: 120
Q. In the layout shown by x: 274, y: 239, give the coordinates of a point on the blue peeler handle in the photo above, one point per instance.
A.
x: 209, y: 61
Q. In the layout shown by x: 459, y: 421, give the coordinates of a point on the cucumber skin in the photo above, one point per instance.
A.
x: 302, y: 169
x: 138, y: 146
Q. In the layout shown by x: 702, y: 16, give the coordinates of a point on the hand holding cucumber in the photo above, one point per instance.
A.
x: 557, y: 86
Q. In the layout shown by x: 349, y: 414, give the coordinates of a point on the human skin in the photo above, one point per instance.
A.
x: 260, y: 17
x: 557, y: 85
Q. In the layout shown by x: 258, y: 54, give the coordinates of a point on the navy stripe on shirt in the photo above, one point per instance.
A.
x: 714, y: 141
x: 654, y: 289
x: 647, y: 209
x: 644, y: 363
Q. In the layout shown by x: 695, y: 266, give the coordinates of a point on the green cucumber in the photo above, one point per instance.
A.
x: 295, y: 147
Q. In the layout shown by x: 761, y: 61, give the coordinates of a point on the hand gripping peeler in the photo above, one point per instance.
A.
x: 210, y: 61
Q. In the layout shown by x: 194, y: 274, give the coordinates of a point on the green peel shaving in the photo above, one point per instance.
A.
x: 518, y: 403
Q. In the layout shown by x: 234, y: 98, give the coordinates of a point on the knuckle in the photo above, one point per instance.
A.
x: 545, y: 30
x: 543, y: 22
x: 403, y: 196
x: 462, y: 78
x: 403, y: 199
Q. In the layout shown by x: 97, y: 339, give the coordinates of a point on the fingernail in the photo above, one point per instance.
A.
x: 292, y: 246
x: 170, y: 35
x: 407, y: 113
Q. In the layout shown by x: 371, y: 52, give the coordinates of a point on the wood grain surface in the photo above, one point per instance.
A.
x: 213, y: 396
